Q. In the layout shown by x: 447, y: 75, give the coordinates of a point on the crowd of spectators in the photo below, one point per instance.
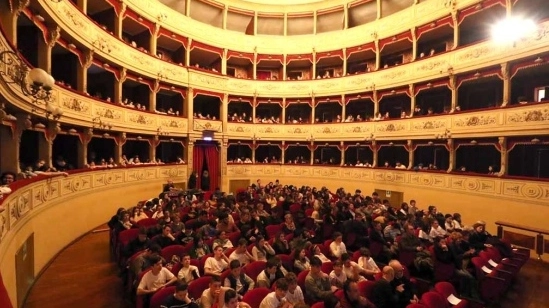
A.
x: 306, y: 244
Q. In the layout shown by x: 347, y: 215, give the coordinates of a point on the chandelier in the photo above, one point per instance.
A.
x: 34, y: 83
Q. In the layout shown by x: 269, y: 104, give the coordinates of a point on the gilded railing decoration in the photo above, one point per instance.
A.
x: 495, y: 187
x: 32, y: 196
x: 461, y: 60
x: 207, y: 125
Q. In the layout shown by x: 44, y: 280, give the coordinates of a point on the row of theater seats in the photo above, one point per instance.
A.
x: 493, y: 272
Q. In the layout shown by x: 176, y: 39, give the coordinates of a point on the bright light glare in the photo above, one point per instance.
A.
x: 512, y: 29
x: 207, y: 138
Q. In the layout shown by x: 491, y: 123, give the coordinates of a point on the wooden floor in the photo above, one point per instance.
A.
x: 83, y: 276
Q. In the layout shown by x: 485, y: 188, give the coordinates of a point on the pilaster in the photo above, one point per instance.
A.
x: 506, y: 83
x: 504, y: 156
x: 82, y: 73
x: 152, y: 95
x: 85, y: 138
x: 452, y: 157
x: 410, y: 148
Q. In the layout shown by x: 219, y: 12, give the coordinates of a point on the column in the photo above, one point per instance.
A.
x: 120, y: 140
x: 254, y: 74
x: 412, y: 99
x: 313, y: 107
x: 188, y: 9
x: 45, y: 142
x: 118, y: 89
x: 153, y: 144
x: 345, y: 16
x: 343, y: 108
x: 379, y: 9
x: 119, y: 21
x: 224, y: 181
x: 456, y: 29
x: 190, y: 151
x: 283, y: 153
x: 284, y: 69
x: 10, y: 139
x: 374, y: 152
x: 190, y: 112
x: 453, y: 88
x: 153, y: 41
x: 376, y: 103
x: 254, y: 105
x: 378, y: 52
x: 188, y: 52
x: 283, y: 110
x: 82, y: 73
x: 410, y: 148
x: 82, y: 5
x: 504, y: 156
x: 85, y: 138
x: 224, y: 114
x: 452, y: 153
x: 152, y: 95
x: 286, y: 24
x: 506, y: 83
x: 314, y: 65
x: 225, y: 13
x: 315, y: 21
x: 9, y: 21
x: 414, y: 43
x: 255, y: 23
x: 253, y: 150
x: 342, y: 149
x: 44, y: 49
x: 312, y: 152
x: 344, y: 73
x: 224, y: 62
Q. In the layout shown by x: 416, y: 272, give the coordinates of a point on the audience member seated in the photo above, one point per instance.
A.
x: 180, y: 298
x: 262, y: 250
x: 317, y: 284
x: 268, y: 276
x: 366, y: 262
x: 199, y: 248
x: 188, y: 272
x: 238, y: 280
x: 231, y: 300
x: 337, y: 276
x: 215, y: 265
x: 166, y: 238
x: 144, y: 260
x: 444, y: 254
x: 241, y: 253
x: 277, y: 298
x: 301, y: 262
x: 281, y: 245
x: 294, y: 295
x: 211, y: 296
x: 337, y: 247
x: 157, y: 278
x: 408, y: 295
x: 351, y: 269
x: 352, y: 298
x: 384, y: 295
x: 222, y: 241
x: 318, y: 253
x: 139, y: 243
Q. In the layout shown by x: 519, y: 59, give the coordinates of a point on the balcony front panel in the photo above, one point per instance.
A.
x: 487, y: 197
x: 416, y: 15
x: 511, y: 121
x: 465, y: 59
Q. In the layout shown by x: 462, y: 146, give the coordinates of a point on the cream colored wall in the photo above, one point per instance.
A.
x: 476, y: 198
x: 75, y: 205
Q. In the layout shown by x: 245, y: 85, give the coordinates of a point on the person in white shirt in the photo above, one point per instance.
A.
x: 318, y: 253
x: 337, y: 247
x: 187, y: 272
x: 215, y: 265
x: 223, y: 241
x: 450, y: 224
x: 241, y: 253
x: 294, y: 295
x: 352, y: 269
x: 277, y: 298
x: 437, y: 231
x: 6, y: 179
x: 262, y: 249
x: 337, y: 276
x: 157, y: 278
x: 266, y: 278
x: 230, y: 300
x: 367, y: 262
x: 213, y: 294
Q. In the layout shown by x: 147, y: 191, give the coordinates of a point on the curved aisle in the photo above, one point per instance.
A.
x: 82, y: 275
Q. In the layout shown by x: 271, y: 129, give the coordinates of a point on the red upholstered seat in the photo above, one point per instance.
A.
x: 4, y: 298
x: 159, y: 297
x: 197, y: 286
x: 255, y: 296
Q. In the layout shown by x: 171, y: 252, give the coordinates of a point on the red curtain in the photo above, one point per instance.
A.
x: 212, y: 158
x: 198, y: 163
x: 263, y: 75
